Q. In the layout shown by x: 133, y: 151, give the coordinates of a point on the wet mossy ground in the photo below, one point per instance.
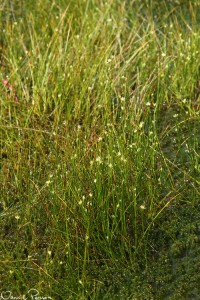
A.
x: 173, y: 270
x: 176, y: 272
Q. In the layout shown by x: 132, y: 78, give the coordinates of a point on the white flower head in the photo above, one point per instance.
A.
x: 141, y: 124
x: 98, y: 159
x: 142, y: 207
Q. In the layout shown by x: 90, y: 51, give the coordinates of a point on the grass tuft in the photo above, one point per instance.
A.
x: 99, y: 186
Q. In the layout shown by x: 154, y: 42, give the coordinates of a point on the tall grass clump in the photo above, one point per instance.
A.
x: 99, y: 146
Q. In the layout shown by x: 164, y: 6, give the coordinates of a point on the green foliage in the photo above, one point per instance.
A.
x: 99, y: 147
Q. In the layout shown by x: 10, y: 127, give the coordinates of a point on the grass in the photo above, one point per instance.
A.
x: 100, y: 130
